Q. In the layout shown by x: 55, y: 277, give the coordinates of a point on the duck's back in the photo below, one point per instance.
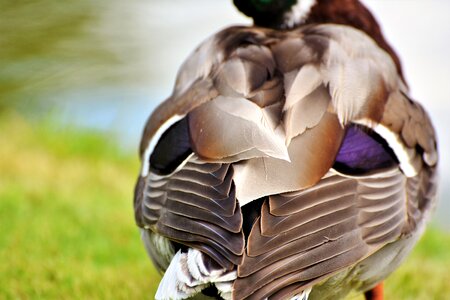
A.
x: 285, y: 160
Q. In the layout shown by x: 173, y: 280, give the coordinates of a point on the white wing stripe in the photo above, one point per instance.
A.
x: 154, y: 140
x: 403, y: 154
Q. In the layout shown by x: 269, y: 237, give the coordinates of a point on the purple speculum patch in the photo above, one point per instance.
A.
x: 363, y: 150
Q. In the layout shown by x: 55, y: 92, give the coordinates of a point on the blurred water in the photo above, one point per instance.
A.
x: 119, y: 112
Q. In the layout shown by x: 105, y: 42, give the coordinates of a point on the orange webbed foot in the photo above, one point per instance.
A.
x: 376, y: 293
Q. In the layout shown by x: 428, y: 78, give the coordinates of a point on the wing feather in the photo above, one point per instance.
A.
x: 301, y: 244
x: 197, y: 205
x: 319, y: 230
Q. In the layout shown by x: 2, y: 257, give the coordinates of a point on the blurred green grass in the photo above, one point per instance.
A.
x: 67, y: 228
x: 66, y: 218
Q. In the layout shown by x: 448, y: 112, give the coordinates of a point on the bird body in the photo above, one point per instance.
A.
x: 288, y: 163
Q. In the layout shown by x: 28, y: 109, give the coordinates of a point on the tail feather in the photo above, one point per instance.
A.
x: 189, y: 273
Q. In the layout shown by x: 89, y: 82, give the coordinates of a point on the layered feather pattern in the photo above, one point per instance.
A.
x: 292, y: 158
x: 197, y: 206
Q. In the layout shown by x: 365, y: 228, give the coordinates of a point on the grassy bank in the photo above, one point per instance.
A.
x: 67, y: 228
x: 66, y: 219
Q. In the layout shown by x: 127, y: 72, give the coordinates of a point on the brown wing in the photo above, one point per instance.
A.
x: 197, y: 207
x: 303, y: 236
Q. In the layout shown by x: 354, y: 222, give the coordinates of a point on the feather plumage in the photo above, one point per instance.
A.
x: 293, y: 158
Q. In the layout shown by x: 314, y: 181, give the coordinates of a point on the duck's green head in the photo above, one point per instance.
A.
x: 275, y: 13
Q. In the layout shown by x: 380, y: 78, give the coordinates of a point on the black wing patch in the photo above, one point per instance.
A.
x: 172, y: 149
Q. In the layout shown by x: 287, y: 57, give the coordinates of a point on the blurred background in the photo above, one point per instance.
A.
x: 79, y: 78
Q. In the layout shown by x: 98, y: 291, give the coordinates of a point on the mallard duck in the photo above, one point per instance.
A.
x: 289, y: 162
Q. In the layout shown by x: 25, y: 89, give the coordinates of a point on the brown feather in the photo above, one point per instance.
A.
x: 323, y: 211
